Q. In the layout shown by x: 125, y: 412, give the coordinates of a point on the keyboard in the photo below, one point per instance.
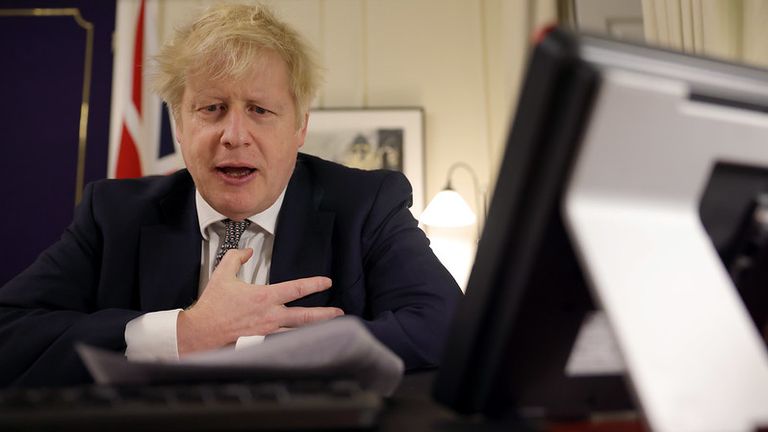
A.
x: 336, y: 405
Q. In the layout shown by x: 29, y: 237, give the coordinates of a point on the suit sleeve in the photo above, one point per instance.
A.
x: 411, y: 295
x: 52, y: 305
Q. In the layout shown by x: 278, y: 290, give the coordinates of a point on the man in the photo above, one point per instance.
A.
x: 251, y: 240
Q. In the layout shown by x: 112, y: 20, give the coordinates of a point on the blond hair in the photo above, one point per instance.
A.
x: 225, y: 42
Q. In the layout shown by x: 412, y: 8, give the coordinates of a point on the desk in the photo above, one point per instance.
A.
x: 411, y: 408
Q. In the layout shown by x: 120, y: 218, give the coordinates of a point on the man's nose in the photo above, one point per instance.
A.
x: 235, y: 131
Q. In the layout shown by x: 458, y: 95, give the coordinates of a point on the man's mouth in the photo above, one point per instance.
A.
x: 236, y: 172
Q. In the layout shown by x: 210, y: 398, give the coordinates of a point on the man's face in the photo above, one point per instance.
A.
x: 239, y: 138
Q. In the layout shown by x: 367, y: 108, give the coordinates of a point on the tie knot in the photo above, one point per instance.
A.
x: 233, y: 229
x: 232, y: 232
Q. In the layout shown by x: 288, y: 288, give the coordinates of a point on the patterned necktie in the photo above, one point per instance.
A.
x: 233, y: 231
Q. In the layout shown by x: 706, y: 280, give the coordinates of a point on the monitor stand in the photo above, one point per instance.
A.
x: 694, y: 358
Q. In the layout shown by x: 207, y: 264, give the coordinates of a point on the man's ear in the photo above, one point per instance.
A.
x: 301, y: 134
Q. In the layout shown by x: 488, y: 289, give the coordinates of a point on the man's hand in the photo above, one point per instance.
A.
x: 230, y: 308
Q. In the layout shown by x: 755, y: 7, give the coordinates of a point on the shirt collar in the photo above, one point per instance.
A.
x: 207, y: 215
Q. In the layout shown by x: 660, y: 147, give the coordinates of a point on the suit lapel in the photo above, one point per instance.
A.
x: 303, y: 246
x: 169, y: 252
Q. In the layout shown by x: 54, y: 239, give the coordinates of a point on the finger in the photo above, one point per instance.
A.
x: 301, y: 316
x: 232, y: 261
x: 289, y: 291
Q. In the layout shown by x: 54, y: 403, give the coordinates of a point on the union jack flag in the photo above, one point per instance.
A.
x: 141, y: 128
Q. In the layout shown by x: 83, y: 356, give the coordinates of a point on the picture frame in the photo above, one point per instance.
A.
x: 372, y: 138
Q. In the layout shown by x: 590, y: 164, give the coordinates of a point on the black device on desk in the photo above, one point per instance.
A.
x: 528, y: 294
x: 234, y: 406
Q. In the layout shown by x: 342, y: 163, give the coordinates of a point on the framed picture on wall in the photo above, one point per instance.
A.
x: 372, y: 139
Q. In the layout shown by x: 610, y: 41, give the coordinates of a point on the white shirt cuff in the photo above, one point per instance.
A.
x: 152, y: 336
x: 247, y: 341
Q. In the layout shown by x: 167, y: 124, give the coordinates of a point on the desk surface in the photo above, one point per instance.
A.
x: 411, y: 408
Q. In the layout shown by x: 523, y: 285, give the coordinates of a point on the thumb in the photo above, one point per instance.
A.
x: 232, y: 261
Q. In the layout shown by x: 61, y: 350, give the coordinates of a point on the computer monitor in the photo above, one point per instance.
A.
x: 620, y: 159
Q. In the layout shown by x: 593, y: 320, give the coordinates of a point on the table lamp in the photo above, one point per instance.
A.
x: 448, y: 209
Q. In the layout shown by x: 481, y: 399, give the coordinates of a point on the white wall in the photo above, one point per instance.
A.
x: 460, y: 60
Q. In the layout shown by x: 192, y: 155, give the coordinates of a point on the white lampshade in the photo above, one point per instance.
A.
x: 448, y: 209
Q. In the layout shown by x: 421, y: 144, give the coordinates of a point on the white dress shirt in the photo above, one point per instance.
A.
x: 152, y: 336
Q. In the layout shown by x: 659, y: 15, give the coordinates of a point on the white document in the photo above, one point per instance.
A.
x: 341, y: 348
x: 595, y: 351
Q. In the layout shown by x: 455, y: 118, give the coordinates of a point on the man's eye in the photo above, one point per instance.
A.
x: 259, y: 110
x: 213, y: 108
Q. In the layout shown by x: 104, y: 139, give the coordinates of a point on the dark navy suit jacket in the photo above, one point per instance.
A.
x: 134, y: 247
